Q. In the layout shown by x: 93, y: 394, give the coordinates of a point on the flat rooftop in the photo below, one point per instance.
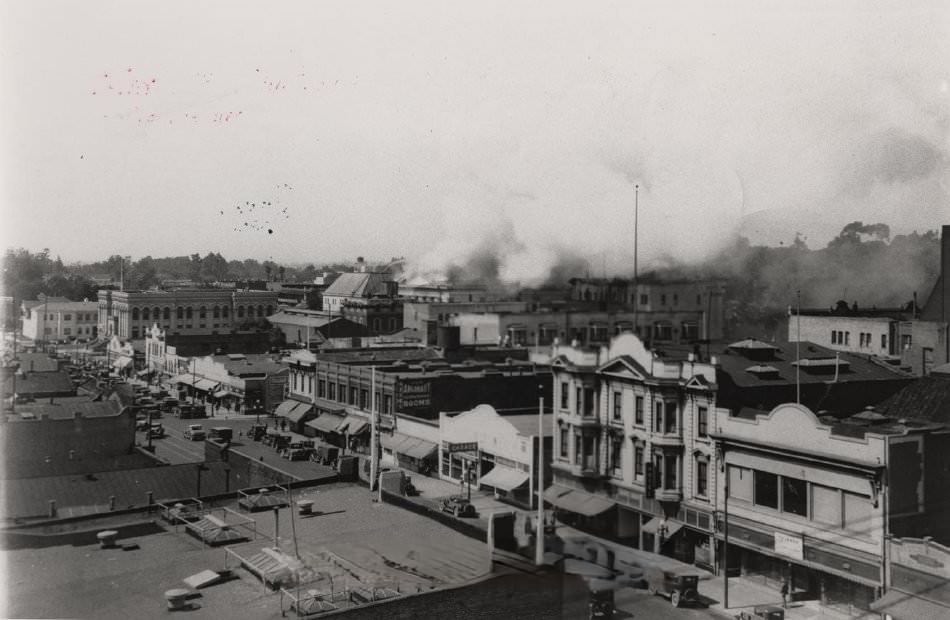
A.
x: 63, y: 573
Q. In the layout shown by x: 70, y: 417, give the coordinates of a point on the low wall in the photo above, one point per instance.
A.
x: 502, y: 596
x: 472, y: 530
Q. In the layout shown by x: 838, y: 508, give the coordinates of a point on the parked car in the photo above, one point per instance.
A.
x: 458, y: 506
x: 195, y: 432
x: 141, y: 422
x: 763, y: 612
x: 156, y: 432
x: 221, y: 433
x: 678, y: 584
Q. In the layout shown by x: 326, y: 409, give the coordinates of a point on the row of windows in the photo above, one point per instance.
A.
x: 665, y: 418
x: 793, y: 496
x: 644, y: 298
x: 331, y: 390
x: 665, y: 466
x: 217, y: 312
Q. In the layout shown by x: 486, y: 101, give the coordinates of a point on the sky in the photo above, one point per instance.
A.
x: 316, y: 131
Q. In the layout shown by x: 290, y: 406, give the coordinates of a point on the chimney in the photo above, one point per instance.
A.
x: 944, y: 272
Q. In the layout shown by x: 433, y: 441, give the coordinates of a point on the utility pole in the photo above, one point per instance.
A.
x: 725, y: 532
x: 798, y: 345
x: 374, y: 434
x: 636, y: 280
x: 539, y: 531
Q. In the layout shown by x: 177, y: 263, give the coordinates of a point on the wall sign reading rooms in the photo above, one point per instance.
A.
x: 414, y: 395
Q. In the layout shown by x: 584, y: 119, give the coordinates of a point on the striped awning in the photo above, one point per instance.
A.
x: 285, y: 407
x: 353, y: 425
x: 326, y: 423
x: 299, y: 412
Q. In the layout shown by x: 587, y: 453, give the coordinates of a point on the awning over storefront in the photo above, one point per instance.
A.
x: 391, y: 442
x: 122, y: 362
x: 326, y: 423
x: 555, y: 491
x: 186, y: 379
x: 583, y: 503
x: 329, y: 406
x: 353, y: 425
x: 504, y: 478
x: 285, y: 407
x: 902, y: 605
x: 143, y: 373
x: 205, y: 385
x: 416, y: 448
x: 299, y: 411
x: 654, y: 525
x: 223, y: 394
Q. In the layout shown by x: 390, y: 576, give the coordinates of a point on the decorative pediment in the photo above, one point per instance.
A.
x: 698, y: 382
x: 624, y: 367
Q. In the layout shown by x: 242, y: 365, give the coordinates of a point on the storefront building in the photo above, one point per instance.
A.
x: 494, y: 452
x: 808, y: 501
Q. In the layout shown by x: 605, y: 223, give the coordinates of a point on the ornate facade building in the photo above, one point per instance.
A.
x: 129, y: 314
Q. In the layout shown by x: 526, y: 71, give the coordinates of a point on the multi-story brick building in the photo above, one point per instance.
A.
x: 205, y: 312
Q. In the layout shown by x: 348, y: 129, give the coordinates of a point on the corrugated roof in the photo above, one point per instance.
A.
x: 66, y: 408
x: 366, y: 284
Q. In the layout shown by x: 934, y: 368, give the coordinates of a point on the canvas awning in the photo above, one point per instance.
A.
x: 186, y: 379
x: 900, y: 605
x: 504, y: 478
x: 329, y: 406
x: 555, y: 491
x: 142, y: 373
x: 653, y: 527
x: 205, y: 385
x: 326, y: 423
x: 122, y: 362
x: 353, y: 425
x: 391, y: 442
x: 583, y: 503
x: 223, y: 394
x: 285, y: 407
x: 299, y: 412
x: 416, y: 448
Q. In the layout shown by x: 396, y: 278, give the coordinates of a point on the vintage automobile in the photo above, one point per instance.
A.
x: 458, y: 506
x: 221, y: 433
x: 195, y: 432
x: 763, y: 612
x: 678, y: 584
x: 157, y: 431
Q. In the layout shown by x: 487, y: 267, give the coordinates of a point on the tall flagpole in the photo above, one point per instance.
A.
x: 636, y: 280
x: 798, y: 344
x: 539, y: 488
x: 373, y: 452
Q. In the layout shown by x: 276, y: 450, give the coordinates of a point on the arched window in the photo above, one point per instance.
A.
x: 250, y: 312
x: 216, y: 312
x: 224, y: 312
x: 270, y: 310
x: 189, y: 313
x: 180, y: 312
x: 166, y: 313
x: 135, y: 314
x: 144, y: 314
x: 240, y: 312
x: 202, y: 312
x: 260, y: 311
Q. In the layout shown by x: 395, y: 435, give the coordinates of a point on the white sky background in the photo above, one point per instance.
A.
x: 434, y: 129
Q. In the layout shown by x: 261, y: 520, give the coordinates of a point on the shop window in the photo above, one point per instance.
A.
x: 826, y: 505
x: 565, y: 395
x: 857, y: 513
x: 638, y: 411
x: 740, y: 483
x: 766, y: 489
x: 795, y: 496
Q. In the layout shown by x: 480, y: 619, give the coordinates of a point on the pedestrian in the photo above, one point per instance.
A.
x: 785, y: 594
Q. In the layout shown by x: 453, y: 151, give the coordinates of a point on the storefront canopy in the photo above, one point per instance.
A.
x: 299, y: 412
x: 122, y: 362
x: 205, y: 384
x: 285, y: 407
x: 186, y: 379
x: 416, y: 448
x: 504, y: 478
x: 353, y: 425
x: 391, y: 442
x: 653, y: 526
x: 555, y: 491
x: 223, y: 394
x: 583, y: 503
x: 900, y: 605
x: 326, y: 423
